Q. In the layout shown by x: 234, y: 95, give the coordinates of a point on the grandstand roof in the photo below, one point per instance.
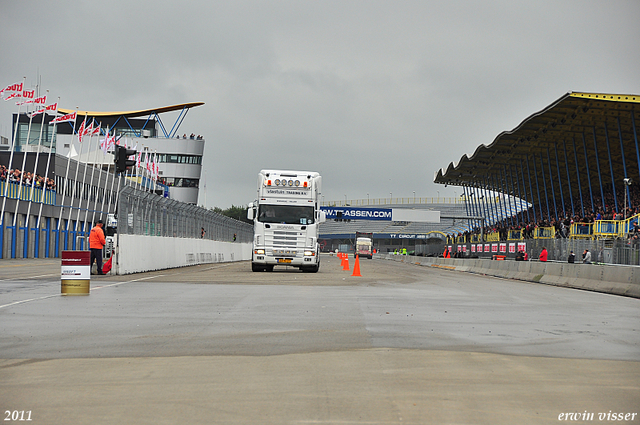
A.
x: 602, y: 124
x: 138, y: 113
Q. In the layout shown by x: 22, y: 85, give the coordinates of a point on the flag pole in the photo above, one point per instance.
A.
x: 106, y: 181
x: 13, y: 143
x: 113, y: 180
x: 74, y: 181
x: 22, y: 172
x: 80, y: 136
x: 46, y: 173
x: 93, y: 172
x: 106, y: 178
x: 84, y: 174
x: 35, y: 170
x: 66, y: 176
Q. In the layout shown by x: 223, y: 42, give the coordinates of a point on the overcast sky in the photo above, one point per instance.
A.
x: 375, y: 95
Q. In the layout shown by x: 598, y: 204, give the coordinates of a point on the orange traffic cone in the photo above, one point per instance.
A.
x: 356, y: 267
x: 345, y: 266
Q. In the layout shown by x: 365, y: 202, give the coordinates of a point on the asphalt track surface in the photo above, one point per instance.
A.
x: 403, y: 344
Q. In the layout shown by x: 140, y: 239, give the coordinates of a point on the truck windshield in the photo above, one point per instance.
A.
x: 285, y: 214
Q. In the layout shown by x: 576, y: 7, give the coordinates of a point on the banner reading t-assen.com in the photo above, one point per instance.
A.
x: 349, y: 213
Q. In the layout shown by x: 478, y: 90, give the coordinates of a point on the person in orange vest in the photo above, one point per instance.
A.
x: 96, y: 243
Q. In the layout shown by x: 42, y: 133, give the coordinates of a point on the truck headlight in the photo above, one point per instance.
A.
x: 259, y: 251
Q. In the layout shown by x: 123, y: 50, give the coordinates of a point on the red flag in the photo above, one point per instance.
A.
x: 81, y: 129
x: 106, y: 267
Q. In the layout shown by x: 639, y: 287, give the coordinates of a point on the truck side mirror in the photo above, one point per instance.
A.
x: 250, y: 211
x: 322, y: 216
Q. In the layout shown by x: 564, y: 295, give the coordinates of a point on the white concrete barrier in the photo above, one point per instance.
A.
x: 138, y: 253
x: 610, y: 279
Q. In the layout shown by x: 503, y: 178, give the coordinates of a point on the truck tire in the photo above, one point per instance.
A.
x: 312, y: 269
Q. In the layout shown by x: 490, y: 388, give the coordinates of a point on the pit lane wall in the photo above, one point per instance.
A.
x: 610, y: 279
x: 139, y: 253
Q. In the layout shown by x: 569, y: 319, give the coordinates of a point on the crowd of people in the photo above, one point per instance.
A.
x: 192, y: 136
x: 27, y: 178
x: 562, y: 225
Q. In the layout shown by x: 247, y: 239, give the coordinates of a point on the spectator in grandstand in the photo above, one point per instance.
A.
x: 586, y: 257
x: 572, y: 257
x: 543, y: 255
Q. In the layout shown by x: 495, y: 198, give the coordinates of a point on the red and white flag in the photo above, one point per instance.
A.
x: 28, y: 95
x: 40, y: 103
x: 107, y: 142
x: 65, y: 118
x: 42, y: 100
x: 36, y: 112
x: 11, y: 88
x: 88, y: 131
x: 81, y: 132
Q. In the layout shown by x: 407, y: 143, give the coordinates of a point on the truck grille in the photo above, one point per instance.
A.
x: 284, y: 243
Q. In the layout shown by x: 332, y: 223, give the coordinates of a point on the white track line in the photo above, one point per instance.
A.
x: 94, y: 288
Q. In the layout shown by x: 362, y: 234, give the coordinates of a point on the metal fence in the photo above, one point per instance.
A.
x: 146, y: 213
x: 622, y: 251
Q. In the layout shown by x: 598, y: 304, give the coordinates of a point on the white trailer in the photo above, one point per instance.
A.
x: 286, y: 217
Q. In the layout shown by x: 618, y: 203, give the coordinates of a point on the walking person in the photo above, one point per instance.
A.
x: 96, y: 243
x: 586, y: 257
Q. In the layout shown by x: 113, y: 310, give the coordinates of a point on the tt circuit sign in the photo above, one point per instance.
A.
x: 381, y: 214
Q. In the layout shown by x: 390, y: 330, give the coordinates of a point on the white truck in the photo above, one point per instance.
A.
x: 286, y: 217
x: 364, y: 247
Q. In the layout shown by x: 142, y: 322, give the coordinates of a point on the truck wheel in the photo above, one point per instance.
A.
x: 312, y: 269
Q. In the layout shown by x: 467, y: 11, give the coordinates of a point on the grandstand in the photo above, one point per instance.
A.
x: 563, y: 178
x: 573, y: 164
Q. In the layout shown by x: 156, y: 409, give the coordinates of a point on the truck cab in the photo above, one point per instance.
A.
x: 286, y: 217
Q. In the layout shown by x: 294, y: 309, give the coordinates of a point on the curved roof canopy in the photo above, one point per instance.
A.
x: 580, y: 137
x: 134, y: 114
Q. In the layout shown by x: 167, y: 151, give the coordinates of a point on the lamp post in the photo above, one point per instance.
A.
x: 627, y: 182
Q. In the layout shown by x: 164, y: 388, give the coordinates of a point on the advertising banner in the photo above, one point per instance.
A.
x: 75, y: 274
x: 349, y: 213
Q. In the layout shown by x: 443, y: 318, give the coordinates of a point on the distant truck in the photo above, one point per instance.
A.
x: 364, y: 245
x: 286, y: 216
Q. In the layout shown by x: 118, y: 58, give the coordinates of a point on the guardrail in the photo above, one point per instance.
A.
x: 28, y: 193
